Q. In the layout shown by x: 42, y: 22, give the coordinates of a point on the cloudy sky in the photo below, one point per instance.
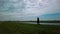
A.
x: 17, y: 10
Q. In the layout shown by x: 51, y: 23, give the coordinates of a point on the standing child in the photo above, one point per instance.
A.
x: 37, y: 20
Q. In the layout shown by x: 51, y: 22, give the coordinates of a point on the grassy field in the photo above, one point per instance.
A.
x: 23, y: 28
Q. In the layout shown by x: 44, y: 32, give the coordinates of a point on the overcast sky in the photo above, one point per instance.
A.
x: 28, y: 9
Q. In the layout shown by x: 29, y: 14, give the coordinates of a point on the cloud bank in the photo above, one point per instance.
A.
x: 27, y: 9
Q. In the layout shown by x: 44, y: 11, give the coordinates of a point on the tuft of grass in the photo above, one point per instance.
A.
x: 23, y: 28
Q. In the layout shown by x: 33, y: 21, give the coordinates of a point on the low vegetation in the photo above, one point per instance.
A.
x: 23, y: 28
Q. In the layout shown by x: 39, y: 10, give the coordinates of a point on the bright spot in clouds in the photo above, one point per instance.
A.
x: 27, y: 9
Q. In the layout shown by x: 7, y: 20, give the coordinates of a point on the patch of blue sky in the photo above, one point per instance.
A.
x: 55, y: 16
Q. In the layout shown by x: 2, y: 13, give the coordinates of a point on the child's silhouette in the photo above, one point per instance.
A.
x: 37, y: 20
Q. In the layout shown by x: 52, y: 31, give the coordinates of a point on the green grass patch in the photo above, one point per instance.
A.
x: 23, y: 28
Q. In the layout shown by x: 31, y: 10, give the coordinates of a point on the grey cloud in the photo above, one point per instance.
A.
x: 11, y: 5
x: 22, y: 9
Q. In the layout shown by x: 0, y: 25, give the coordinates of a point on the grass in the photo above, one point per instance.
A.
x: 23, y: 28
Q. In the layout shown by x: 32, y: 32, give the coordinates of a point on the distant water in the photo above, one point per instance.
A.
x: 43, y: 23
x: 40, y: 23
